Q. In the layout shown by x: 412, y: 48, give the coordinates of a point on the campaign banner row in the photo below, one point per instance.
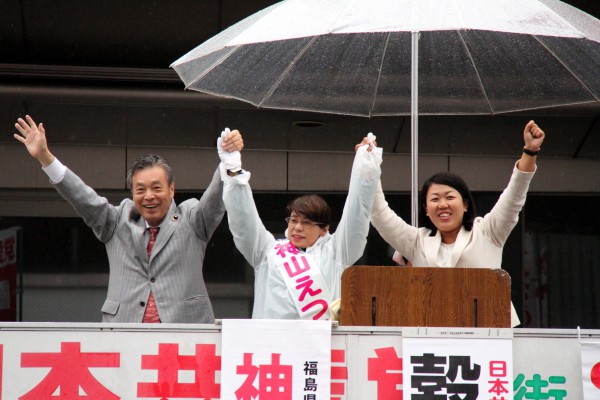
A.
x: 295, y: 360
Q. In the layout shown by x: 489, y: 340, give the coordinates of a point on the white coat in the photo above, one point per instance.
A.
x: 481, y: 247
x: 333, y: 253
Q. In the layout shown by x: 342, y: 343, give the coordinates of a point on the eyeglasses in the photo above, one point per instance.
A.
x: 305, y: 222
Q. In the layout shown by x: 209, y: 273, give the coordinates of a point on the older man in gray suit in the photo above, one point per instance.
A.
x: 155, y: 247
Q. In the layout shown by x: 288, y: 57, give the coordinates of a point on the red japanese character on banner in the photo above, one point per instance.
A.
x: 9, y: 249
x: 386, y: 370
x: 298, y: 269
x: 205, y: 364
x: 316, y: 303
x: 498, y: 387
x: 69, y: 370
x: 287, y: 247
x: 498, y: 369
x: 247, y: 391
x: 274, y: 380
x: 304, y: 284
x: 339, y: 374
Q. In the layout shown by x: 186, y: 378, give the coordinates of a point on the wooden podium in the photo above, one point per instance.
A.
x: 420, y: 296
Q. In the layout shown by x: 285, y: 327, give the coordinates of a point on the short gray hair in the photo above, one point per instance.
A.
x: 148, y: 161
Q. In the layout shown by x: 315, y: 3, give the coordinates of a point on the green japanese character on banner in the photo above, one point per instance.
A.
x: 537, y: 388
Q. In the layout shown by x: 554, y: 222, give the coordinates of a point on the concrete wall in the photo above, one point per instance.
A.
x: 105, y: 167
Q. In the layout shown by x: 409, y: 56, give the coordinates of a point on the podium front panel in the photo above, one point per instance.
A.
x: 424, y: 296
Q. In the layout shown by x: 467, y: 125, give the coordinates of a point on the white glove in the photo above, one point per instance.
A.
x: 373, y: 146
x: 231, y: 161
x: 371, y: 139
x: 367, y: 162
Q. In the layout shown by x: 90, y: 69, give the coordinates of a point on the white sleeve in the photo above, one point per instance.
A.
x: 249, y: 234
x: 351, y: 234
x: 392, y: 228
x: 503, y: 217
x: 55, y: 171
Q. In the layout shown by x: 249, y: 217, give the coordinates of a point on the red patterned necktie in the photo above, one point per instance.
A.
x: 153, y: 233
x: 151, y: 313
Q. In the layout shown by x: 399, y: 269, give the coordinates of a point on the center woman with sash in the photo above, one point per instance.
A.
x: 299, y: 277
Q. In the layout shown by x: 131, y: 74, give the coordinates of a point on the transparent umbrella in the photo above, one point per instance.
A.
x: 403, y: 57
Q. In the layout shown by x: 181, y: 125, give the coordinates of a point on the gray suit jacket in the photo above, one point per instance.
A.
x: 174, y: 271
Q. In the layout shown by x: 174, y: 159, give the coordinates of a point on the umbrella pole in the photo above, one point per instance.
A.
x: 414, y: 128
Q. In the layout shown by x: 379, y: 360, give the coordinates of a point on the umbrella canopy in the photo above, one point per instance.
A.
x: 354, y: 57
x: 403, y: 57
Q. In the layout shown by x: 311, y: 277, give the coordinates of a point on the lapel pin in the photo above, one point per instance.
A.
x: 175, y: 217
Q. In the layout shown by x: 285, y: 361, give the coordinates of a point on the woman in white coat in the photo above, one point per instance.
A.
x: 299, y: 277
x: 451, y: 234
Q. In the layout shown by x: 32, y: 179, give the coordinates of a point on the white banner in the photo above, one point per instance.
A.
x: 376, y: 372
x: 183, y: 361
x: 590, y: 370
x: 260, y: 357
x: 466, y: 369
x: 109, y: 365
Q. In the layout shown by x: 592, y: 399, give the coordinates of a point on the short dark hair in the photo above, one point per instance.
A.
x: 313, y: 207
x: 457, y: 183
x: 148, y: 161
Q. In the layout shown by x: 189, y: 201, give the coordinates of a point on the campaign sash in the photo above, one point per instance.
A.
x: 304, y: 281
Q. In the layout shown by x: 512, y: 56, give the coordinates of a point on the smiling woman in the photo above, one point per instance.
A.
x: 299, y: 277
x: 448, y: 206
x: 451, y: 235
x: 309, y: 220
